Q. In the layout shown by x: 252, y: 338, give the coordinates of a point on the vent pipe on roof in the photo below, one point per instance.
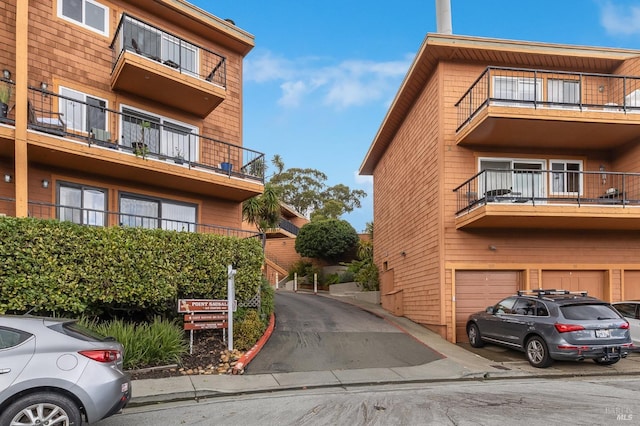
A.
x: 443, y: 16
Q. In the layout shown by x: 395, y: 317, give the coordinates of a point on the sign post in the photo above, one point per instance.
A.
x: 231, y: 295
x: 212, y: 314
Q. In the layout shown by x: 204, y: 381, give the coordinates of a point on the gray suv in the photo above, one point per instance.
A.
x: 552, y: 325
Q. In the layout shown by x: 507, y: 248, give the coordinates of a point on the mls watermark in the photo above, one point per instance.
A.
x: 620, y: 413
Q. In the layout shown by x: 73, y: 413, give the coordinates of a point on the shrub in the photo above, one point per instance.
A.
x: 160, y: 342
x: 347, y: 277
x: 267, y: 300
x: 364, y: 270
x: 329, y: 239
x: 303, y: 269
x: 248, y: 330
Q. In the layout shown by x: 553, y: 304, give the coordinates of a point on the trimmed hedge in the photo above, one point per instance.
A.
x: 63, y: 268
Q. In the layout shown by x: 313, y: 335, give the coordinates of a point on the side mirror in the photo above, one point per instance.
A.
x: 490, y: 310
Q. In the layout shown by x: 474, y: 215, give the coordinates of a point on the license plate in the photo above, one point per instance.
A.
x: 603, y: 333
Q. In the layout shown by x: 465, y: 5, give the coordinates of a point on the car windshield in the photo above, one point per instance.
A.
x: 589, y: 312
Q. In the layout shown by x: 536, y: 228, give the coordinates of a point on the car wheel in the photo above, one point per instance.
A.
x: 537, y: 353
x: 44, y: 408
x: 604, y: 361
x: 473, y: 332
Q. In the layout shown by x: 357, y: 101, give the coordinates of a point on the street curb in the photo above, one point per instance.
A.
x: 251, y: 353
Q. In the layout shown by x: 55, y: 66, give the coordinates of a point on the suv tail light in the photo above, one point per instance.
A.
x: 106, y: 355
x: 567, y: 328
x: 624, y: 325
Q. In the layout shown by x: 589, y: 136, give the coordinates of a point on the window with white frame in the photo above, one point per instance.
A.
x: 82, y: 204
x: 83, y: 112
x: 161, y: 135
x: 563, y: 91
x: 517, y: 88
x: 152, y: 43
x: 87, y: 13
x: 566, y: 178
x: 521, y: 178
x: 147, y: 212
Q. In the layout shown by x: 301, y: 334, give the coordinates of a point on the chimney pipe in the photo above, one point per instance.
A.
x: 443, y: 16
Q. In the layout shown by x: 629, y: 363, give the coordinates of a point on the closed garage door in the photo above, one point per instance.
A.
x: 631, y: 285
x: 475, y: 290
x: 590, y: 281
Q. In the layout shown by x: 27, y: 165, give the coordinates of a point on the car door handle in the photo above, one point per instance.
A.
x: 5, y: 370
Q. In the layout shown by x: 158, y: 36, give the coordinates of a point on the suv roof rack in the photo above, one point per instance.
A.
x: 540, y: 292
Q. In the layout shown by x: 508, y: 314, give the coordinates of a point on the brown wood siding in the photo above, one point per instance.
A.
x: 475, y: 290
x: 407, y: 211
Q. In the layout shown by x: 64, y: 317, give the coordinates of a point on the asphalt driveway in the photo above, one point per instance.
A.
x: 315, y: 333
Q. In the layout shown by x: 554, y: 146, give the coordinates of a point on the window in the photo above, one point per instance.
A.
x: 505, y: 306
x: 156, y: 213
x: 159, y: 46
x: 566, y: 178
x: 563, y: 91
x: 83, y: 112
x: 163, y: 136
x: 87, y: 13
x: 517, y: 88
x: 82, y: 204
x: 515, y: 178
x: 10, y: 337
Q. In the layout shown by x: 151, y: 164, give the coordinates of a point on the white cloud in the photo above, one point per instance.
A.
x: 342, y: 85
x: 620, y: 19
x: 366, y: 182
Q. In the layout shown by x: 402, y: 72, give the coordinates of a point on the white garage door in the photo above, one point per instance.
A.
x: 590, y: 281
x: 475, y: 290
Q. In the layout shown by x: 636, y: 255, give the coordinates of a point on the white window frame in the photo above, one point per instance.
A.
x: 510, y: 180
x: 561, y: 176
x: 82, y: 102
x: 83, y: 23
x: 161, y: 221
x: 518, y: 99
x: 165, y: 123
x: 557, y: 94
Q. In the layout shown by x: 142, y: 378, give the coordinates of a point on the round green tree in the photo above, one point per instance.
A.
x: 328, y: 239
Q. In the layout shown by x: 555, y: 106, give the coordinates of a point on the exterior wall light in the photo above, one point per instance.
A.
x: 45, y: 183
x: 6, y: 74
x: 7, y: 178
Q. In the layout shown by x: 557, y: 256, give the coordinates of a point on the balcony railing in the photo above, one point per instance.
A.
x: 548, y: 187
x: 92, y: 217
x: 289, y: 227
x: 7, y: 101
x: 549, y: 89
x: 149, y: 41
x: 140, y: 133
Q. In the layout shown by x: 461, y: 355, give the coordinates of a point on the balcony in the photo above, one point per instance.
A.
x: 91, y: 217
x: 86, y: 136
x: 549, y: 199
x: 160, y: 66
x: 511, y: 107
x: 285, y: 229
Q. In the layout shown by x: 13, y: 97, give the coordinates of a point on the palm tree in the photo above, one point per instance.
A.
x: 263, y: 211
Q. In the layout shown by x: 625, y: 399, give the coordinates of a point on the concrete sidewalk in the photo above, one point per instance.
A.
x: 457, y: 364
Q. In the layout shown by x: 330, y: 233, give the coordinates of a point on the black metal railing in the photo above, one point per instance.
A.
x: 548, y: 89
x: 548, y: 187
x: 7, y: 101
x: 93, y: 217
x: 139, y: 133
x: 287, y: 226
x: 155, y: 44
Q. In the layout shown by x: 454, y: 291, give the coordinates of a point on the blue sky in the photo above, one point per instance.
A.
x: 322, y: 75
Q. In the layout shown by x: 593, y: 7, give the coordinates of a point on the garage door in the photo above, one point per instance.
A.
x: 590, y: 281
x: 631, y: 285
x: 475, y: 290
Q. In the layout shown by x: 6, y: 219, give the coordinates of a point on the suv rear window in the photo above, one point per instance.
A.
x: 589, y: 312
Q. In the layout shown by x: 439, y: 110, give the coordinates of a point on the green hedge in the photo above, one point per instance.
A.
x: 66, y: 269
